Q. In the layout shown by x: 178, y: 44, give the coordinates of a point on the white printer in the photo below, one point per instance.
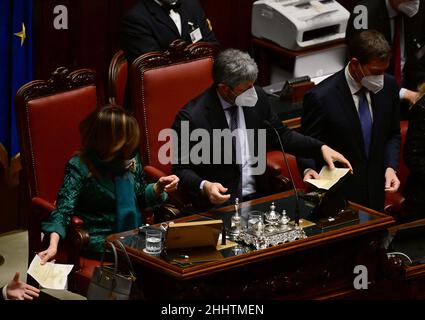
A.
x: 298, y: 24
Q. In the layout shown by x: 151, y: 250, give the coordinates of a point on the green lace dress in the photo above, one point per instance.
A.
x: 93, y: 200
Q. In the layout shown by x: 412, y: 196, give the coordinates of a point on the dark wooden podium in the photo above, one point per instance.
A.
x: 318, y: 267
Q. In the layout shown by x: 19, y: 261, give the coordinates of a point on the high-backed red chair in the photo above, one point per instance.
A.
x: 394, y: 201
x: 161, y: 84
x: 118, y: 71
x: 277, y: 166
x: 48, y: 114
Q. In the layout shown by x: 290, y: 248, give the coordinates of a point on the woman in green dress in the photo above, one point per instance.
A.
x: 104, y: 183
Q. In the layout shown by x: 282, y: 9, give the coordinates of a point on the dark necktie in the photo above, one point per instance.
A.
x: 233, y: 125
x: 397, y: 49
x: 174, y: 6
x: 365, y: 119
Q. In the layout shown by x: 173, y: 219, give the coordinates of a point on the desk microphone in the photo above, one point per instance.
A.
x: 297, y: 205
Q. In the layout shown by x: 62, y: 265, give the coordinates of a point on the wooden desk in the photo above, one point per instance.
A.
x: 411, y: 284
x: 319, y: 267
x: 266, y: 52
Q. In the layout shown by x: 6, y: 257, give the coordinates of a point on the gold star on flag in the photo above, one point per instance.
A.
x: 22, y: 34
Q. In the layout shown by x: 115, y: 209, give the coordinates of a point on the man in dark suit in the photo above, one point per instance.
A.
x: 356, y: 111
x: 402, y: 22
x: 152, y: 25
x: 233, y: 104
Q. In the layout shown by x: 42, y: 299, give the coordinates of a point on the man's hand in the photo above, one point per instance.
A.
x: 167, y: 184
x: 18, y: 290
x: 214, y: 192
x: 330, y: 156
x: 310, y: 174
x: 391, y: 181
x: 411, y: 96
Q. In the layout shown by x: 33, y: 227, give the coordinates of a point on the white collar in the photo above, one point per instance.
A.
x: 224, y: 104
x: 352, y: 84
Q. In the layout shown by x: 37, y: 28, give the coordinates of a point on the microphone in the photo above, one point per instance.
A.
x: 297, y: 205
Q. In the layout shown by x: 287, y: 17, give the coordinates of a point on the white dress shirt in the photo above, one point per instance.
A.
x: 175, y: 16
x: 354, y: 89
x: 248, y: 179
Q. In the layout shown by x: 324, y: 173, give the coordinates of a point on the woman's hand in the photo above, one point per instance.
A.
x: 51, y: 251
x: 167, y: 184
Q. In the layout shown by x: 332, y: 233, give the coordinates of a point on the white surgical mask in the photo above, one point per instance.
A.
x: 409, y: 8
x: 373, y: 83
x: 248, y: 98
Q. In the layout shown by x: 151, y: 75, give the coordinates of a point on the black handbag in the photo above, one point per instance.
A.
x: 107, y: 282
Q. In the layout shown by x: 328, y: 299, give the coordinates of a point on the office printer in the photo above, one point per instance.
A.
x: 298, y: 24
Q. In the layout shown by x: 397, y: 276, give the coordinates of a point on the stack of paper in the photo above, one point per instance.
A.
x: 328, y: 177
x: 49, y: 275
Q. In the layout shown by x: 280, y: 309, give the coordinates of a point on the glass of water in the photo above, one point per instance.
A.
x: 153, y: 241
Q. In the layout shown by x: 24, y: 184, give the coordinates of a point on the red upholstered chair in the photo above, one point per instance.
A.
x: 161, y: 84
x: 394, y: 201
x: 48, y: 114
x: 117, y: 78
x: 277, y: 168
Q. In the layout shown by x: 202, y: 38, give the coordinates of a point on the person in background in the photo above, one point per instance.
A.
x: 402, y: 22
x: 414, y: 157
x: 233, y: 102
x: 152, y: 25
x: 18, y: 290
x: 104, y: 183
x: 356, y: 111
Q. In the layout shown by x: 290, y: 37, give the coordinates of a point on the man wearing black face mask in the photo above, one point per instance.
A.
x: 152, y: 25
x: 356, y: 111
x: 402, y: 22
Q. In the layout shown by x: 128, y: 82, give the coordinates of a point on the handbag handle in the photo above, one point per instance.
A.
x: 129, y: 264
x: 114, y: 251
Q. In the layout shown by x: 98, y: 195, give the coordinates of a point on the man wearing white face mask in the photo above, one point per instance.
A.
x: 356, y: 111
x: 233, y: 102
x: 402, y: 22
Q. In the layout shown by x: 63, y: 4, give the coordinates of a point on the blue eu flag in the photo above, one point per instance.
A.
x: 15, y: 67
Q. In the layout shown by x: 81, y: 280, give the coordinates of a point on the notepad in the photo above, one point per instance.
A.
x: 328, y: 178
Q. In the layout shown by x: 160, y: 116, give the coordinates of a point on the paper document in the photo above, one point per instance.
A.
x: 49, y: 275
x: 328, y: 177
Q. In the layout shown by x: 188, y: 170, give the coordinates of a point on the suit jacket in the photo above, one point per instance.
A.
x: 378, y: 19
x: 331, y: 116
x: 206, y: 112
x: 147, y: 27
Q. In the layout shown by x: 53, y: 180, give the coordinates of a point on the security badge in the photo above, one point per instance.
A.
x: 195, y: 34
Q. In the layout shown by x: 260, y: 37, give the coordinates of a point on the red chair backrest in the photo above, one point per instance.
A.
x: 162, y: 83
x: 49, y: 113
x: 118, y: 71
